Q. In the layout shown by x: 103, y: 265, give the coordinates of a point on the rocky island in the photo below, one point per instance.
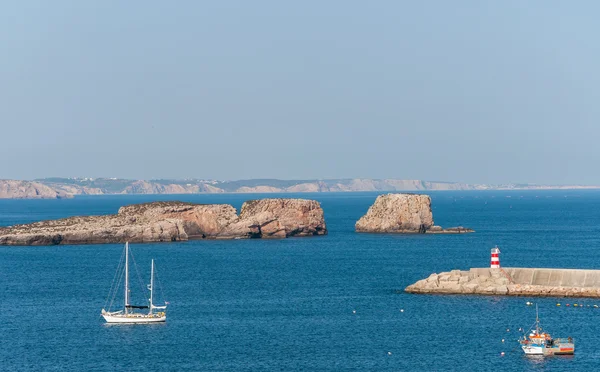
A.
x: 176, y: 221
x: 532, y: 282
x: 404, y: 214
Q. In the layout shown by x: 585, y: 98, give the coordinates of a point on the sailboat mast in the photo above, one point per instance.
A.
x: 151, y: 284
x: 126, y: 275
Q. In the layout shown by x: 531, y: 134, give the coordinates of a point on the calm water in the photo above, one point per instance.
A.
x: 288, y: 305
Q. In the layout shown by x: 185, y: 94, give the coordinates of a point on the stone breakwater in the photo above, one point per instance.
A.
x: 513, y: 282
x: 403, y: 214
x: 176, y: 221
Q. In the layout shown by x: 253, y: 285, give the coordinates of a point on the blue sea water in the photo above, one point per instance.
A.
x: 327, y: 303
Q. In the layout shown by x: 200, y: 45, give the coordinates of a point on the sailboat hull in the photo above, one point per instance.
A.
x: 134, y: 318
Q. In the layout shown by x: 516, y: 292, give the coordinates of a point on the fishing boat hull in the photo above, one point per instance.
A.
x: 532, y: 350
x: 560, y: 350
x: 134, y: 318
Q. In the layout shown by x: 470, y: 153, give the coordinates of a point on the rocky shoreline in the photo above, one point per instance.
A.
x: 530, y: 282
x: 403, y: 214
x: 177, y: 221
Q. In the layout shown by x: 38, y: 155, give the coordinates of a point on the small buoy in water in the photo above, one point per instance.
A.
x: 557, y: 304
x: 575, y: 305
x: 596, y: 306
x: 568, y: 305
x: 353, y: 311
x: 401, y: 310
x: 528, y: 303
x: 502, y: 353
x: 520, y: 329
x: 507, y: 329
x: 389, y: 353
x: 502, y: 340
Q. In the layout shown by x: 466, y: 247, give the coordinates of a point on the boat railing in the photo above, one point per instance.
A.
x: 568, y: 340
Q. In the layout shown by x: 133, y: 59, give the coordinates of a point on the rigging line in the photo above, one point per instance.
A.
x: 116, y: 290
x: 140, y: 282
x: 159, y: 284
x: 515, y: 348
x: 112, y: 285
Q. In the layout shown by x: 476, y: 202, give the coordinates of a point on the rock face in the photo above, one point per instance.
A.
x: 11, y: 189
x: 176, y: 221
x: 512, y: 282
x: 280, y: 218
x: 402, y: 213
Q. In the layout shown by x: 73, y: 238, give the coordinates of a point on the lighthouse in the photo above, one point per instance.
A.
x: 495, y: 263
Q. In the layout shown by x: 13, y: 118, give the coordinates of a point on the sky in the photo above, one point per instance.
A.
x: 466, y: 91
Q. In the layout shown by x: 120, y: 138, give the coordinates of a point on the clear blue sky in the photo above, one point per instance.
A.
x: 472, y: 91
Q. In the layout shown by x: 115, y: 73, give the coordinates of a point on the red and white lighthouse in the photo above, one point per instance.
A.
x: 495, y: 263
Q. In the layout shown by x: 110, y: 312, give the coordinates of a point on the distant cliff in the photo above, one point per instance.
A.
x: 404, y: 214
x: 96, y: 186
x: 10, y: 189
x: 176, y: 221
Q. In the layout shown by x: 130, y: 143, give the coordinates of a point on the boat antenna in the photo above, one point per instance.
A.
x: 537, y: 319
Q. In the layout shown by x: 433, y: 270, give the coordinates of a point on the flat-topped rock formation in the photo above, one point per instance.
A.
x: 512, y: 282
x: 176, y: 221
x: 404, y: 214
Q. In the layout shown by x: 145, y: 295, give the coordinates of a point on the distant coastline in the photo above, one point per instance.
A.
x: 51, y: 188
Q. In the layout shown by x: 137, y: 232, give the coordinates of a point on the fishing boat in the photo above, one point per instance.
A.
x: 541, y: 343
x: 128, y: 313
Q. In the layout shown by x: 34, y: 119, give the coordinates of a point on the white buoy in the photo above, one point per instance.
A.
x: 502, y: 340
x: 389, y: 353
x: 502, y: 353
x: 353, y: 311
x: 401, y: 310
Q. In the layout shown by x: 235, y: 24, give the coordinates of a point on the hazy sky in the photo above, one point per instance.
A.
x: 472, y: 91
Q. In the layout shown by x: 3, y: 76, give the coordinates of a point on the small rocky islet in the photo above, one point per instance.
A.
x: 403, y: 214
x: 177, y: 221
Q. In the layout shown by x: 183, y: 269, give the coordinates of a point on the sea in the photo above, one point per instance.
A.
x: 328, y: 303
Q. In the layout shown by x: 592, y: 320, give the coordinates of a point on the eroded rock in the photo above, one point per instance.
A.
x: 402, y: 213
x: 176, y: 221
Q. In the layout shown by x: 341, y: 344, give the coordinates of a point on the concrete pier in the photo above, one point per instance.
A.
x: 513, y: 281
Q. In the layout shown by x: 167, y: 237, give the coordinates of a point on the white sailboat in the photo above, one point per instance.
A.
x: 128, y: 313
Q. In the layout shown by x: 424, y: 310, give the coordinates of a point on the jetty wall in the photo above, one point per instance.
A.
x: 513, y: 281
x: 546, y: 277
